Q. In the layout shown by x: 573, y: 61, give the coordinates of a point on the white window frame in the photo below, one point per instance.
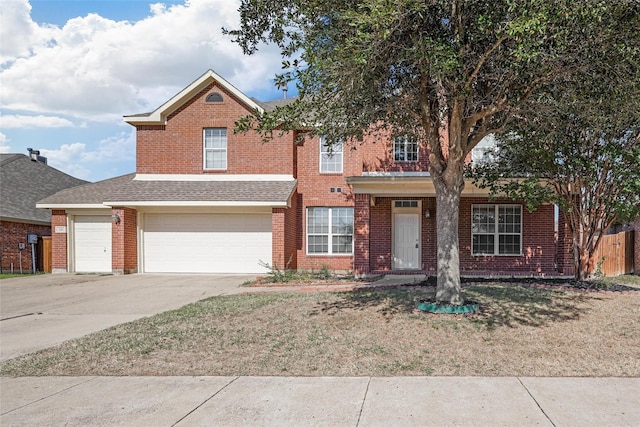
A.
x: 484, y: 152
x: 496, y: 233
x: 331, y: 161
x: 401, y: 146
x: 206, y: 149
x: 330, y: 234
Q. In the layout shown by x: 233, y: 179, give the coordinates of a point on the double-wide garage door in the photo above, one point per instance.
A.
x: 206, y: 243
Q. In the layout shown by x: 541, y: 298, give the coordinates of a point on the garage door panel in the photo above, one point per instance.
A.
x: 92, y: 243
x: 206, y: 243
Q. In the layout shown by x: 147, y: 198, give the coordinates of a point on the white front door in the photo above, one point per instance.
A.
x: 406, y: 246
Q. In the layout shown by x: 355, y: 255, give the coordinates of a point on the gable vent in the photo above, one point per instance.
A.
x: 214, y: 97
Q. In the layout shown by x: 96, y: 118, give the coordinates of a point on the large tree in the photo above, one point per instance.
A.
x: 448, y: 71
x: 578, y: 148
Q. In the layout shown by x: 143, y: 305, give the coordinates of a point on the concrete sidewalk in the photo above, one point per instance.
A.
x: 328, y: 401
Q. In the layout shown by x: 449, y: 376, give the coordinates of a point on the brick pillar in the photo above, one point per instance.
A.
x: 59, y: 251
x: 124, y: 241
x: 361, y: 261
x: 564, y: 247
x: 278, y: 241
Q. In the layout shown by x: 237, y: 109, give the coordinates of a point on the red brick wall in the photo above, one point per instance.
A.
x: 314, y: 190
x: 177, y: 147
x: 539, y: 248
x: 538, y: 244
x: 361, y: 218
x: 11, y: 235
x: 58, y: 242
x: 124, y: 241
x: 381, y: 242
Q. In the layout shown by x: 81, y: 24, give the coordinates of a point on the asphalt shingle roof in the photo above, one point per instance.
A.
x: 23, y: 182
x: 126, y: 189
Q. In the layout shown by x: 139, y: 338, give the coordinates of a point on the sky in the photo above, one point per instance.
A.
x: 71, y: 69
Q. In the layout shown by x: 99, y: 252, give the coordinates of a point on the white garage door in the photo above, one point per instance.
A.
x: 92, y: 244
x: 206, y: 243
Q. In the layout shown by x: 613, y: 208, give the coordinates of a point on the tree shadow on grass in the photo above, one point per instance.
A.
x: 508, y: 305
x: 511, y: 306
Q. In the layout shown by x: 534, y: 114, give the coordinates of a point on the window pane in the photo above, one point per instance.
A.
x: 483, y: 244
x: 318, y: 221
x: 318, y: 244
x: 215, y: 148
x: 342, y: 244
x: 509, y: 244
x: 330, y: 157
x: 483, y: 219
x: 342, y: 221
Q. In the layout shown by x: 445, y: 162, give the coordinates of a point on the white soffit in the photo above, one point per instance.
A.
x: 211, y: 177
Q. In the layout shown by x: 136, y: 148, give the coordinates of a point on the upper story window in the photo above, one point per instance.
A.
x: 405, y: 149
x: 496, y: 229
x: 213, y: 97
x: 485, y: 151
x: 215, y: 148
x: 330, y: 157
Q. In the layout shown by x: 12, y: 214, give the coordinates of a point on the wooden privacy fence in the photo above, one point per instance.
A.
x: 617, y: 251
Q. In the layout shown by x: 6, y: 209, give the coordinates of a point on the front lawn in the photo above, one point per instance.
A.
x: 519, y: 331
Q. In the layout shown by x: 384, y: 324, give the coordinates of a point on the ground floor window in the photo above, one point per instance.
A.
x: 329, y: 231
x: 496, y: 229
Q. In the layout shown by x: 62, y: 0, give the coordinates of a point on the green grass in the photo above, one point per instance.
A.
x: 625, y: 279
x: 518, y: 331
x: 9, y: 275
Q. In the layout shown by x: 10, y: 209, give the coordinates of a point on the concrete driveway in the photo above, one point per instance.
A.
x: 41, y: 311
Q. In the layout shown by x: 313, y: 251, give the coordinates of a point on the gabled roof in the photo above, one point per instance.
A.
x: 23, y: 182
x: 159, y: 116
x: 128, y: 191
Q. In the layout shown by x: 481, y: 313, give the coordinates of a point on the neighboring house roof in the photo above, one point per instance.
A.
x: 159, y: 116
x: 23, y: 182
x: 126, y: 190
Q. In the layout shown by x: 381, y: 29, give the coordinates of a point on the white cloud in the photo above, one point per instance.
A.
x: 98, y: 69
x: 79, y: 160
x: 4, y: 148
x: 22, y: 121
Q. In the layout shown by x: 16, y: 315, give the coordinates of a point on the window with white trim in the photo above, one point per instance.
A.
x: 215, y: 148
x: 405, y: 149
x: 496, y: 229
x: 330, y: 157
x: 329, y: 231
x: 485, y: 151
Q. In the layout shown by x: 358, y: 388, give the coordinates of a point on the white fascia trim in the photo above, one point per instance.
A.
x: 69, y: 206
x: 400, y: 174
x: 159, y: 115
x: 211, y: 177
x: 274, y: 204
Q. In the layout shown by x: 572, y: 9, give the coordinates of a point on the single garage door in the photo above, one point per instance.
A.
x: 92, y: 243
x: 206, y: 243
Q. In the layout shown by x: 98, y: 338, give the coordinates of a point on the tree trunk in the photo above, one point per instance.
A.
x: 448, y: 188
x: 586, y: 262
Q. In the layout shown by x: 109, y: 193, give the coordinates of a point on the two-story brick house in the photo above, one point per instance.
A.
x: 206, y: 200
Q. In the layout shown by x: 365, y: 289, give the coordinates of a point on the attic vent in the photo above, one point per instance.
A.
x: 214, y: 97
x: 35, y: 156
x: 406, y: 203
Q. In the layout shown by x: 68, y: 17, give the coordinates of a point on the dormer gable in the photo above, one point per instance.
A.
x: 159, y: 115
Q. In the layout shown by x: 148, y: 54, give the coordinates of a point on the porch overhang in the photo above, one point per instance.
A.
x: 405, y: 186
